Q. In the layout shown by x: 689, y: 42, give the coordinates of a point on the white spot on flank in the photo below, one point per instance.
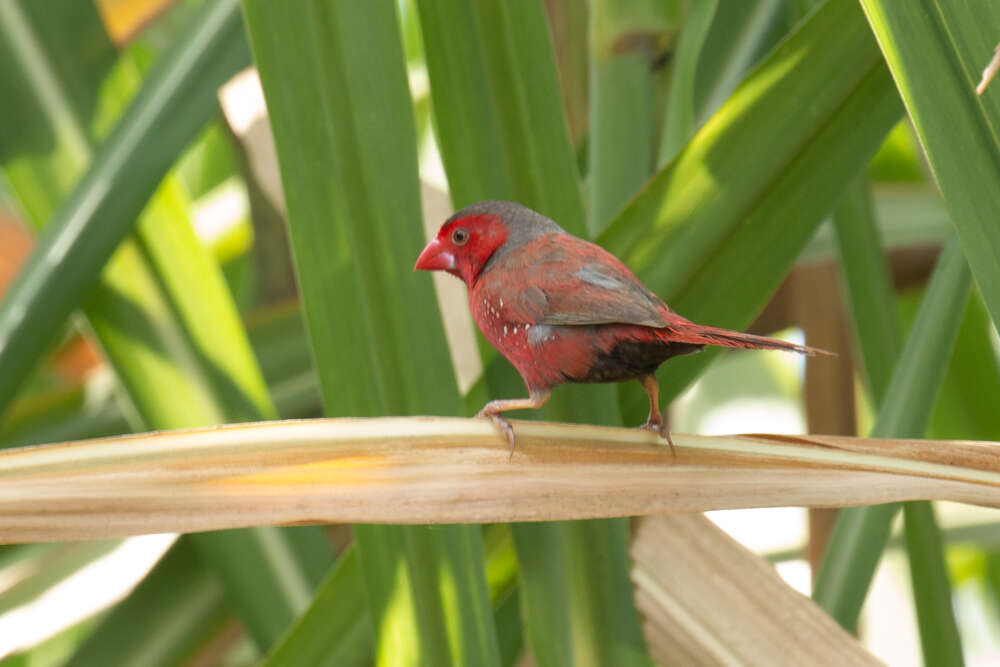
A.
x: 540, y: 334
x: 505, y: 330
x: 515, y: 329
x: 501, y: 303
x: 527, y: 326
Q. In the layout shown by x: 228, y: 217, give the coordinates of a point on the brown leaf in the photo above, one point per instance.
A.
x: 438, y: 470
x: 707, y: 601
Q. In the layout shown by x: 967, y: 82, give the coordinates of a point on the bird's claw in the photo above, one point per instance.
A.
x: 504, y: 425
x: 660, y: 429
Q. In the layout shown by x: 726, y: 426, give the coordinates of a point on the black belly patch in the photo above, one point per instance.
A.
x: 632, y: 359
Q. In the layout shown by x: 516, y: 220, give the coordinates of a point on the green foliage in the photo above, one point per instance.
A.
x: 938, y: 630
x: 712, y: 140
x: 861, y: 533
x: 349, y: 172
x: 496, y: 99
x: 103, y: 207
x: 869, y: 286
x: 936, y: 54
x: 179, y: 597
x: 336, y: 629
x: 679, y: 120
x: 161, y: 310
x: 716, y: 230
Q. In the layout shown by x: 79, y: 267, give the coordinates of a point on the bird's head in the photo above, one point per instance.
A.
x: 468, y: 240
x: 464, y: 245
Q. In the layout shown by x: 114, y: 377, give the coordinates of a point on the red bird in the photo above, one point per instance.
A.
x: 562, y: 309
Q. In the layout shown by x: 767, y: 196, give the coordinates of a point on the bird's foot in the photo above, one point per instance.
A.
x: 660, y: 429
x: 504, y: 426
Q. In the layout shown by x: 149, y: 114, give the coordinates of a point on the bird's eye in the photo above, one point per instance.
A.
x: 460, y: 236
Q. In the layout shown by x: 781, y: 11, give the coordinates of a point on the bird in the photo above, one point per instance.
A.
x: 565, y: 310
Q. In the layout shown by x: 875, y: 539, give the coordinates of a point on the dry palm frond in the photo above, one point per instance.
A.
x: 438, y: 470
x: 707, y: 601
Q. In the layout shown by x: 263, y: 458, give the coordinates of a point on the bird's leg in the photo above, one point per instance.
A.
x: 493, y: 409
x: 655, y: 421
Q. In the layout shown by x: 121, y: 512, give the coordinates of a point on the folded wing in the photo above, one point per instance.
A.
x: 572, y: 282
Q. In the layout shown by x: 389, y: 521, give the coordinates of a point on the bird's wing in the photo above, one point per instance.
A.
x: 566, y: 281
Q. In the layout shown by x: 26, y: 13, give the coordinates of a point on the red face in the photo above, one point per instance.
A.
x: 463, y: 246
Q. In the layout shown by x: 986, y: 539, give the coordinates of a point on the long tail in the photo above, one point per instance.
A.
x: 685, y: 331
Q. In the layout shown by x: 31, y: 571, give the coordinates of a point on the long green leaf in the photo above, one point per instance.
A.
x: 205, y: 309
x: 169, y: 327
x: 46, y: 78
x: 860, y: 534
x: 737, y: 40
x: 495, y: 91
x: 509, y: 635
x: 543, y: 592
x: 503, y: 579
x: 935, y: 50
x: 336, y: 629
x: 715, y: 231
x: 265, y: 576
x: 376, y: 336
x: 568, y: 21
x: 174, y: 104
x: 620, y: 148
x: 963, y: 407
x: 877, y: 325
x: 849, y: 562
x: 928, y: 347
x: 679, y: 121
x: 869, y: 286
x: 931, y: 590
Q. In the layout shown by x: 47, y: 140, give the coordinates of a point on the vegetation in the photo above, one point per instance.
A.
x: 762, y: 164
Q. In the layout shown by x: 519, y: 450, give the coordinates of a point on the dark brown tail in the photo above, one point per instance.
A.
x: 685, y: 331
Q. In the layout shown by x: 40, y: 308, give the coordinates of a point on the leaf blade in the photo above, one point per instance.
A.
x: 932, y: 51
x: 178, y: 366
x: 932, y: 592
x: 700, y: 246
x: 66, y: 261
x: 860, y: 534
x: 376, y: 330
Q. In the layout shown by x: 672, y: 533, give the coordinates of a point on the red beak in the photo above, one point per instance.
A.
x: 435, y: 258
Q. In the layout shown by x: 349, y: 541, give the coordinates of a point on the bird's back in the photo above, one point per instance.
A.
x: 564, y: 310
